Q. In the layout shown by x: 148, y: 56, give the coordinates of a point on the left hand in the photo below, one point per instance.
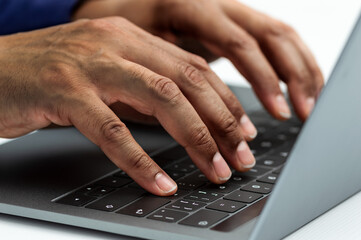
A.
x: 263, y: 49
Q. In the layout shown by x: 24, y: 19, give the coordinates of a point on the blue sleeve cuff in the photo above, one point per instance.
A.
x: 26, y: 15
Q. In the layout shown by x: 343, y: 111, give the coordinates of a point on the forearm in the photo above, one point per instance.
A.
x: 24, y: 15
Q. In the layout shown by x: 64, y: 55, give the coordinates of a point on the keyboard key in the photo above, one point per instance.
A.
x: 270, y: 161
x: 197, y: 176
x: 204, y: 196
x: 278, y: 171
x: 121, y: 174
x: 203, y: 218
x: 100, y: 191
x: 116, y: 199
x: 226, y: 206
x: 189, y: 185
x: 86, y: 189
x: 270, y: 178
x: 167, y: 215
x: 134, y: 185
x: 113, y: 182
x: 177, y: 195
x: 241, y: 217
x: 242, y: 196
x: 175, y: 175
x: 76, y: 199
x: 184, y: 167
x: 253, y: 172
x: 186, y: 205
x: 144, y: 206
x: 222, y: 188
x: 258, y: 187
x: 240, y: 179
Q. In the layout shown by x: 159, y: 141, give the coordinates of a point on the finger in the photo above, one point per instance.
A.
x: 229, y: 40
x: 222, y: 124
x: 97, y: 122
x: 248, y: 129
x: 158, y: 96
x: 287, y: 53
x: 303, y: 83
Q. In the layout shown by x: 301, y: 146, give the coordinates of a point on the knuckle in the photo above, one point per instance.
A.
x: 193, y: 76
x: 165, y: 89
x: 227, y: 124
x: 280, y: 30
x: 245, y: 43
x: 201, y: 137
x: 112, y: 130
x: 141, y: 162
x: 233, y: 104
x: 99, y: 25
x: 199, y: 62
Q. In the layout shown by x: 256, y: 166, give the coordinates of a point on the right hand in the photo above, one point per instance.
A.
x: 71, y: 74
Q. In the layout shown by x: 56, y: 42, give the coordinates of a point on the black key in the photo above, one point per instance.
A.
x: 253, y: 172
x: 134, y: 185
x: 280, y: 154
x: 186, y: 205
x: 177, y: 195
x: 144, y: 206
x: 203, y: 218
x: 258, y: 187
x: 242, y: 196
x: 271, y: 161
x: 167, y: 215
x: 241, y: 217
x: 258, y: 152
x: 184, y: 167
x: 222, y: 188
x: 265, y: 145
x: 197, y: 176
x: 278, y: 171
x: 100, y: 191
x: 226, y: 206
x: 86, y: 189
x: 76, y: 199
x: 113, y: 182
x: 270, y: 178
x: 240, y: 179
x: 204, y: 196
x: 121, y: 174
x: 116, y: 199
x: 189, y: 185
x: 175, y: 175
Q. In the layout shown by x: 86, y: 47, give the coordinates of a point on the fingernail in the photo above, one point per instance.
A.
x: 247, y: 127
x: 221, y: 167
x: 245, y: 155
x: 310, y: 102
x: 165, y: 183
x: 283, y: 108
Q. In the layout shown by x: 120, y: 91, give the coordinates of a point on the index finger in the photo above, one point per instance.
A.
x: 97, y: 122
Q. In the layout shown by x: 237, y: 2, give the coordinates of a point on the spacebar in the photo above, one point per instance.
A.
x: 242, y: 217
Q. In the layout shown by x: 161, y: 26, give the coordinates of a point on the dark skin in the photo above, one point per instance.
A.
x: 90, y: 73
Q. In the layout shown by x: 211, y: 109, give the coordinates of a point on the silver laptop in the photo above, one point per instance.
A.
x: 301, y: 172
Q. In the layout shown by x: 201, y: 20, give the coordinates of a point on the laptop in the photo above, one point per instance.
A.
x: 302, y: 171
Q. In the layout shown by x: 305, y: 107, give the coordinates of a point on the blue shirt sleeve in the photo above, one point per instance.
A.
x: 25, y: 15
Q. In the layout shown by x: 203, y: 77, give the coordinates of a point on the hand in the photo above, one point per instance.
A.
x: 71, y: 74
x: 263, y: 49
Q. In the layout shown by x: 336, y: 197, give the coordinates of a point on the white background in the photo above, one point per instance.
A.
x: 324, y: 25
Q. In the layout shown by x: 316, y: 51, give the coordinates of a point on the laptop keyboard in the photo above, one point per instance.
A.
x: 198, y: 203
